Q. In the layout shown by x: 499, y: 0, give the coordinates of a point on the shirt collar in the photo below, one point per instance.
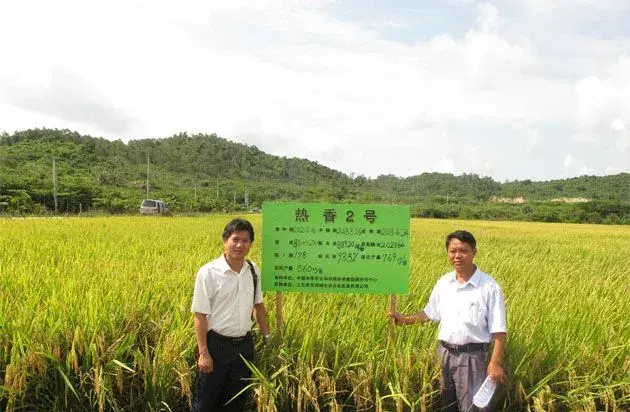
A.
x: 474, y: 280
x: 453, y: 277
x: 226, y: 269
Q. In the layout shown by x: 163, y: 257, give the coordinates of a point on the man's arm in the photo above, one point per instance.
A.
x: 204, y: 362
x: 420, y: 317
x: 401, y: 319
x: 495, y: 370
x: 261, y: 317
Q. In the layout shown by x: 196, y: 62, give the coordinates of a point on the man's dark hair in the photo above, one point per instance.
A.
x: 238, y: 225
x: 463, y: 236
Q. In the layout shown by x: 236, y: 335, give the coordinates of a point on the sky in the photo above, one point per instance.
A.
x: 511, y: 89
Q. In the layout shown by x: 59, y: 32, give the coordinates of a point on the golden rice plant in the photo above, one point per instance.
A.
x: 94, y: 315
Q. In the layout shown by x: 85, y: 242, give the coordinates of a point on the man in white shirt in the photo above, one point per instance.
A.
x: 227, y: 290
x: 470, y: 308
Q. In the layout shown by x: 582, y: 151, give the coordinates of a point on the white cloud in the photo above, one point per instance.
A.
x: 568, y: 161
x: 290, y: 77
x: 488, y: 17
x: 563, y: 7
x: 447, y: 165
x: 596, y: 102
x: 585, y: 170
x: 603, y: 104
x: 618, y: 125
x: 540, y: 6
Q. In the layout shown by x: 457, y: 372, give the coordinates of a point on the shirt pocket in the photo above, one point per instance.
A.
x: 476, y: 313
x: 225, y: 286
x: 248, y: 289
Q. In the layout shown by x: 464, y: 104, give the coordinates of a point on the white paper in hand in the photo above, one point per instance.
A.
x: 484, y: 394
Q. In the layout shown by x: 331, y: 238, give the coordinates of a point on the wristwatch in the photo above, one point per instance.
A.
x: 267, y: 336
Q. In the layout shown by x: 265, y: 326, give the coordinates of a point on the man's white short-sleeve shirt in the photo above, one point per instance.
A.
x: 467, y: 312
x: 226, y: 297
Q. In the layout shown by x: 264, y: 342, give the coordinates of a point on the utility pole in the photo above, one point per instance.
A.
x: 0, y: 175
x: 447, y: 193
x: 54, y: 177
x: 246, y: 200
x: 147, y: 176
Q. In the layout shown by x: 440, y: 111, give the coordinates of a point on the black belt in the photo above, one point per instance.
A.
x: 468, y: 347
x: 234, y: 340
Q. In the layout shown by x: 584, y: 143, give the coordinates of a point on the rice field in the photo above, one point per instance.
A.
x: 94, y: 316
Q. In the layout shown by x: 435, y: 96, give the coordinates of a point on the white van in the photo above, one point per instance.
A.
x: 153, y: 207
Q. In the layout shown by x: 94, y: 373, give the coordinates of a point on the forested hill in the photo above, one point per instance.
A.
x: 208, y: 173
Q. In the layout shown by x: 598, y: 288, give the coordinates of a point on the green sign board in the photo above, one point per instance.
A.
x: 335, y: 248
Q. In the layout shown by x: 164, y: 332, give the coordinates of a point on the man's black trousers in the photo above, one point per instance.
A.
x: 214, y: 390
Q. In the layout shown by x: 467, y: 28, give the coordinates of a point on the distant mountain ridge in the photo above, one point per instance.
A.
x: 204, y: 172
